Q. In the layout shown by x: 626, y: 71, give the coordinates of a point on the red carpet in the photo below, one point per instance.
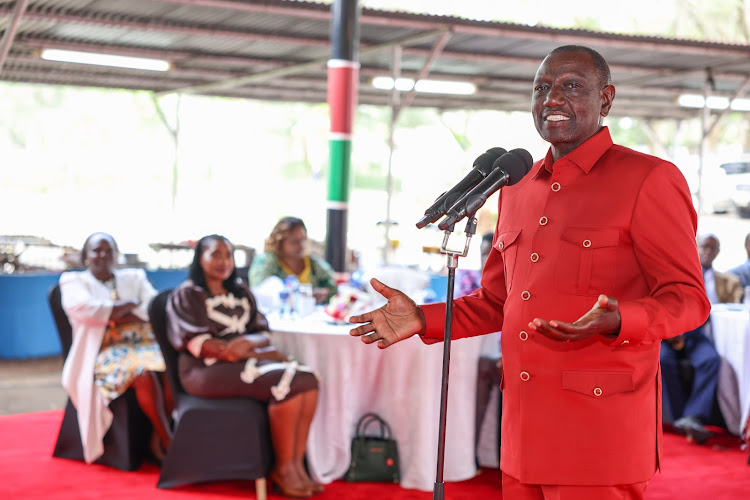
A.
x: 717, y: 471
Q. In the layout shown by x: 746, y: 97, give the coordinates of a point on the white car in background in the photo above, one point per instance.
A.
x: 716, y: 190
x: 738, y: 174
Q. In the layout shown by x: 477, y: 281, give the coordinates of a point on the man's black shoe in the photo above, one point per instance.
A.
x: 693, y: 429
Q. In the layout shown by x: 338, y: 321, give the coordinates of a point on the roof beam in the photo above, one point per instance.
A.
x: 10, y: 33
x: 291, y: 69
x: 434, y: 54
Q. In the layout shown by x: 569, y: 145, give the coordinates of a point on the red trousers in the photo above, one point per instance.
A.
x: 515, y: 490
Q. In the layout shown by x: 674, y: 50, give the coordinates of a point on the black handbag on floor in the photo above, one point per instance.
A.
x: 374, y: 457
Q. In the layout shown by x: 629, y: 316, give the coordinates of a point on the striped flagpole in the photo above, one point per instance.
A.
x: 343, y: 79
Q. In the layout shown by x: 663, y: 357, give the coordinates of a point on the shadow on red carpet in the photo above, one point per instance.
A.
x: 716, y: 471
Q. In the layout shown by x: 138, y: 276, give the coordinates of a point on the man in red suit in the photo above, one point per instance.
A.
x: 594, y: 262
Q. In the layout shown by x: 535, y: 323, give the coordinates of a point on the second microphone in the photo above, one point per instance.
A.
x: 506, y: 170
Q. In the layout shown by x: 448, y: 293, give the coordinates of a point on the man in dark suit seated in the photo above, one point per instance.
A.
x: 743, y: 270
x: 691, y: 407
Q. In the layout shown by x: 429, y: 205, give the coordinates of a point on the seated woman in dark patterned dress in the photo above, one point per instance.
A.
x: 113, y: 347
x: 225, y: 351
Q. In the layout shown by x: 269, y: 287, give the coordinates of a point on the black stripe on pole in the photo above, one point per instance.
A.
x: 345, y: 30
x: 336, y: 240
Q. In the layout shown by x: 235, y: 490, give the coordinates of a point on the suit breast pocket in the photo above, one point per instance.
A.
x: 597, y: 384
x: 588, y: 260
x: 507, y: 244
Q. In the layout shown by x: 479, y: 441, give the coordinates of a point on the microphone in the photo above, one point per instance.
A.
x: 481, y: 169
x: 507, y: 170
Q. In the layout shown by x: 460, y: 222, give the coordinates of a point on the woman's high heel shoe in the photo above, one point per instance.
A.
x: 289, y: 492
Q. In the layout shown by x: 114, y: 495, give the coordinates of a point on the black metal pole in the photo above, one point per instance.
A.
x: 343, y: 79
x: 438, y: 493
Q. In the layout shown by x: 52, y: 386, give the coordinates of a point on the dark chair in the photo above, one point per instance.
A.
x: 125, y: 443
x: 214, y: 439
x: 244, y: 270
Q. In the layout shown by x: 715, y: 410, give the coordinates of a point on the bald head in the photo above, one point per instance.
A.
x: 708, y: 249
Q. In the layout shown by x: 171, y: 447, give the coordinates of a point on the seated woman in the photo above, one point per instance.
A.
x: 224, y: 352
x: 113, y: 347
x: 285, y: 254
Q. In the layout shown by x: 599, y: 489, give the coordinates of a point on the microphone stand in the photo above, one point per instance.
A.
x: 438, y: 493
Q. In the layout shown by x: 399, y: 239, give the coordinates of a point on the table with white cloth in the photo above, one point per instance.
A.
x: 402, y: 384
x: 730, y: 326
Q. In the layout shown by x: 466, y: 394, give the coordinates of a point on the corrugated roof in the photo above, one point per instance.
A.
x: 215, y: 42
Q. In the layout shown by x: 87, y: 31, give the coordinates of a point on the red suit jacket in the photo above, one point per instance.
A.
x: 603, y: 219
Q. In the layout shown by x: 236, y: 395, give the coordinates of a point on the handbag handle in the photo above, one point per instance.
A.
x: 369, y: 418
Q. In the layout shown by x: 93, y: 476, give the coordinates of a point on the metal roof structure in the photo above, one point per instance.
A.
x: 277, y: 50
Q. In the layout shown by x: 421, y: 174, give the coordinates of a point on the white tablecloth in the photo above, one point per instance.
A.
x: 730, y: 324
x: 402, y: 384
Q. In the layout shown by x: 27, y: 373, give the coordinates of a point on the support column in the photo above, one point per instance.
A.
x: 343, y: 80
x: 705, y: 116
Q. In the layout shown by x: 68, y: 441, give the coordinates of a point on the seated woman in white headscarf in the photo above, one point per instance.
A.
x: 113, y: 347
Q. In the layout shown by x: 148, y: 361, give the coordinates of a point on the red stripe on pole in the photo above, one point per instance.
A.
x: 342, y: 97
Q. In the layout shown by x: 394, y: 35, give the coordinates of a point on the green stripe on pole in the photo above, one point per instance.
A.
x: 338, y: 177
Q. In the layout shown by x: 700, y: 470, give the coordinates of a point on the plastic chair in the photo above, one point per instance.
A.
x: 125, y: 442
x: 214, y: 438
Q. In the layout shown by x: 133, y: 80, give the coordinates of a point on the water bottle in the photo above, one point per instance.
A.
x: 305, y: 302
x: 291, y: 283
x: 358, y: 280
x: 284, y: 310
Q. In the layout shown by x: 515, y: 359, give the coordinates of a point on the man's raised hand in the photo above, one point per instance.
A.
x: 399, y: 319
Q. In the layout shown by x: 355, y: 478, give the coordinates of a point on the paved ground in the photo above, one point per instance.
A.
x: 31, y: 385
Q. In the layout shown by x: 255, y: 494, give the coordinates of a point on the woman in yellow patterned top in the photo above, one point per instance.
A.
x: 286, y: 255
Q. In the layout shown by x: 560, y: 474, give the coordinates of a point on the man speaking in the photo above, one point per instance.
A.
x: 594, y: 262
